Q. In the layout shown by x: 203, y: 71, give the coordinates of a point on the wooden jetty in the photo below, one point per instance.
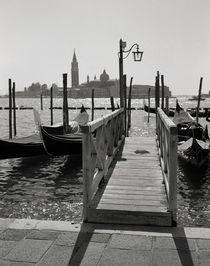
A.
x: 139, y: 173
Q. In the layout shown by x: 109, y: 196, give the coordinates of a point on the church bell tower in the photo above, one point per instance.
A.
x: 74, y: 72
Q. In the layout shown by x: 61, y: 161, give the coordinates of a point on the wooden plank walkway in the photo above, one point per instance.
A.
x: 134, y: 193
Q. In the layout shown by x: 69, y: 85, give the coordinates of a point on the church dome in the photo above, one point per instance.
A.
x: 104, y: 77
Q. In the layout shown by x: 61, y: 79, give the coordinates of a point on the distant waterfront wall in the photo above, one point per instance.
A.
x: 138, y: 92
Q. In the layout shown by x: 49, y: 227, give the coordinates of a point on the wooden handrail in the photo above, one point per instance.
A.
x: 167, y: 145
x: 102, y: 139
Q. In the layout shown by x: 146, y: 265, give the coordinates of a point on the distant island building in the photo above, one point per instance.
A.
x: 104, y: 87
x: 74, y: 72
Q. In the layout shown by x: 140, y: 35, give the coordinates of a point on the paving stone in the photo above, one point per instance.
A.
x: 101, y: 238
x: 22, y: 264
x: 12, y: 263
x: 43, y: 234
x: 88, y: 254
x: 6, y: 246
x: 123, y: 257
x: 56, y: 256
x: 29, y: 250
x: 179, y: 243
x: 70, y: 238
x: 204, y: 258
x: 131, y: 242
x: 203, y: 244
x: 13, y: 234
x: 5, y: 263
x: 174, y: 258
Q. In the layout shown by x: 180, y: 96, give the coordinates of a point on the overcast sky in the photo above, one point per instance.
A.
x: 38, y: 38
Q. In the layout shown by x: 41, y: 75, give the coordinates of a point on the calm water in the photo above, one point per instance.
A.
x: 51, y: 187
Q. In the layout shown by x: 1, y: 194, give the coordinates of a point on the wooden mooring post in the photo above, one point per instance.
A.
x: 129, y: 106
x: 112, y: 103
x: 162, y: 92
x: 157, y: 91
x: 51, y: 105
x: 149, y: 90
x: 14, y: 109
x: 125, y: 103
x: 199, y: 99
x: 10, y: 108
x: 41, y: 101
x: 167, y: 105
x: 93, y: 105
x: 65, y: 105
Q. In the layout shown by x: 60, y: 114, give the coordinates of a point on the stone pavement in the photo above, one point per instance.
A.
x: 34, y: 242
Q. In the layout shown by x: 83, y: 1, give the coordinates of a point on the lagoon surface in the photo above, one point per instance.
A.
x: 49, y: 187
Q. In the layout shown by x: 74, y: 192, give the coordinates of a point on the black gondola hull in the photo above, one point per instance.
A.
x: 21, y: 147
x: 61, y: 144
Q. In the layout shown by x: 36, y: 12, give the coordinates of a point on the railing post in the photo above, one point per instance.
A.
x: 167, y: 141
x: 86, y: 163
x: 173, y: 173
x: 98, y: 152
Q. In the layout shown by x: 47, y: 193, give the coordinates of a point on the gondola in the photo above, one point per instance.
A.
x: 187, y: 126
x: 208, y: 117
x: 195, y: 98
x: 61, y: 144
x: 26, y: 146
x: 191, y: 111
x: 194, y: 152
x: 193, y: 149
x: 21, y: 147
x: 152, y: 110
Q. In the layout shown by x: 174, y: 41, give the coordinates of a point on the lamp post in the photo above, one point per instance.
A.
x: 137, y: 58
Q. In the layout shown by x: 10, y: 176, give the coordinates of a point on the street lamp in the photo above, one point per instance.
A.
x: 137, y: 55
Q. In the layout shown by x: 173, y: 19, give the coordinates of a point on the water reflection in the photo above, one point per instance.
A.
x: 193, y: 195
x: 44, y: 187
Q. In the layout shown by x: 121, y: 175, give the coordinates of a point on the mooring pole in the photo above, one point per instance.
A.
x: 10, y: 108
x: 14, y: 109
x: 156, y: 93
x: 148, y: 104
x: 129, y: 106
x: 199, y: 98
x: 51, y: 105
x: 158, y: 89
x: 65, y: 104
x: 162, y: 92
x: 93, y: 106
x: 41, y: 101
x: 125, y: 102
x: 112, y: 103
x: 167, y: 105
